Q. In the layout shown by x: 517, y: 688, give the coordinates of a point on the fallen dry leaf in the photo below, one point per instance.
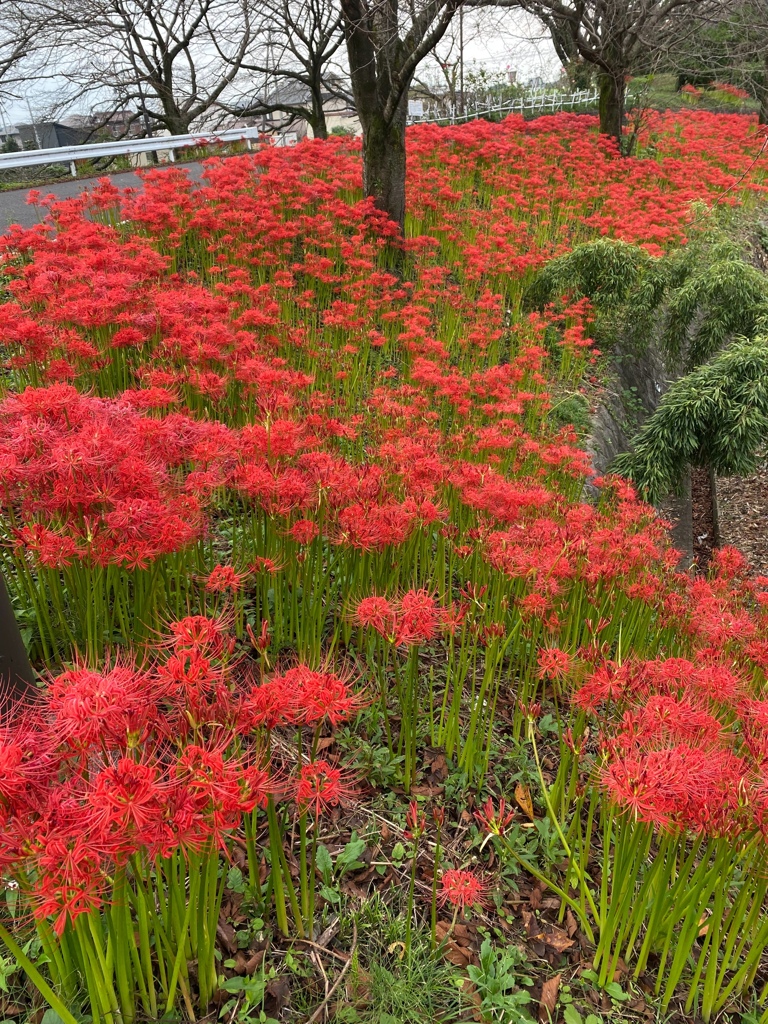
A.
x: 278, y: 996
x: 254, y: 963
x: 557, y: 939
x: 524, y: 801
x: 226, y: 935
x: 455, y: 948
x: 548, y: 1000
x: 468, y: 989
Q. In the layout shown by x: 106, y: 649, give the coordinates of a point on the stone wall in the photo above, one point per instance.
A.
x: 636, y: 383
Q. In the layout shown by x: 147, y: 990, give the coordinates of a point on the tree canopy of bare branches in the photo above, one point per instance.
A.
x: 170, y: 61
x: 20, y: 41
x: 295, y: 58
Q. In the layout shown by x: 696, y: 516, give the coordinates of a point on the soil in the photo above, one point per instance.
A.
x: 743, y: 516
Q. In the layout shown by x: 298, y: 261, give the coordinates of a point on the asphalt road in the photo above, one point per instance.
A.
x: 14, y: 208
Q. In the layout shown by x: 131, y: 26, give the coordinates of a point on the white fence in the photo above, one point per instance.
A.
x: 161, y: 144
x: 543, y: 102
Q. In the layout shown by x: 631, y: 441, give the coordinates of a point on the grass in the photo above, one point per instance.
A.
x: 386, y: 988
x: 660, y: 92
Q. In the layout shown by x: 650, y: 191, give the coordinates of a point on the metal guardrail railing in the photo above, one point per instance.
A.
x: 122, y: 147
x: 537, y: 101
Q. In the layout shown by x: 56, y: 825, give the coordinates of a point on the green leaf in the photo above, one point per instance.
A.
x: 51, y: 1017
x: 572, y: 1016
x: 233, y: 984
x: 615, y: 991
x: 324, y: 862
x: 350, y: 855
x: 331, y: 895
x: 235, y: 880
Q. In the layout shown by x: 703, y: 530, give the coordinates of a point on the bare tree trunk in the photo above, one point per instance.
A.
x: 384, y: 162
x: 612, y: 106
x: 318, y: 122
x: 17, y: 676
x: 764, y: 92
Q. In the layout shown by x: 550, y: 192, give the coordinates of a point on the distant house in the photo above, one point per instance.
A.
x: 287, y: 127
x: 104, y: 125
x: 48, y: 135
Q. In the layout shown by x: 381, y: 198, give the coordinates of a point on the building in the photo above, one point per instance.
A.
x: 106, y: 125
x: 286, y: 127
x: 48, y: 135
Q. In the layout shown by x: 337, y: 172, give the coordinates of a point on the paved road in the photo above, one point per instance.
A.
x: 14, y: 208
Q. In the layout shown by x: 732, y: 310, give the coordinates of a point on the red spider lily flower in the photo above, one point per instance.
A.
x: 377, y: 613
x: 127, y: 798
x: 321, y: 785
x: 320, y: 696
x: 304, y: 531
x: 493, y: 820
x: 222, y: 578
x: 270, y: 704
x: 267, y: 565
x: 65, y: 900
x: 554, y: 663
x: 92, y: 710
x: 418, y: 620
x: 415, y: 821
x: 462, y: 889
x: 262, y: 641
x: 201, y: 633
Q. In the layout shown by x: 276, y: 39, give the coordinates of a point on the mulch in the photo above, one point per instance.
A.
x: 743, y: 516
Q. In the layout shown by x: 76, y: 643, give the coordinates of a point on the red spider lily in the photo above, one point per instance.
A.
x: 91, y: 710
x: 200, y: 634
x: 414, y: 619
x: 127, y: 798
x: 223, y: 578
x: 262, y: 641
x: 462, y: 889
x: 304, y: 531
x: 554, y: 663
x: 415, y: 821
x: 320, y: 785
x: 494, y: 820
x: 377, y: 613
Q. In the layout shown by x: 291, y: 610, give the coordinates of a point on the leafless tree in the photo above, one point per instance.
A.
x: 170, y: 61
x: 386, y: 42
x: 294, y: 57
x: 21, y: 39
x: 448, y: 79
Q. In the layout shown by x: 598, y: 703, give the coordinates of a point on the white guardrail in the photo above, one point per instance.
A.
x: 87, y: 151
x: 538, y: 101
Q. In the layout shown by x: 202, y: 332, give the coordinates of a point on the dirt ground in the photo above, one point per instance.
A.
x: 743, y: 516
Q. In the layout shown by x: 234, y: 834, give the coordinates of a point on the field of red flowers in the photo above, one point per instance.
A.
x: 297, y: 538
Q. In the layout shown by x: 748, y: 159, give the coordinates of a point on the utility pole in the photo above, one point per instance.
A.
x: 32, y: 123
x: 462, y: 108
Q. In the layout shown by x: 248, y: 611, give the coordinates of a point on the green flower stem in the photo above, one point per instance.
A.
x: 36, y: 977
